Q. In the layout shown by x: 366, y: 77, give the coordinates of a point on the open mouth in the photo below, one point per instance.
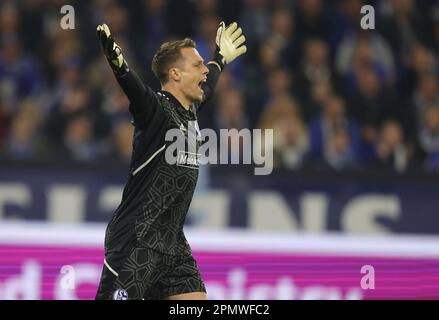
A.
x: 200, y: 84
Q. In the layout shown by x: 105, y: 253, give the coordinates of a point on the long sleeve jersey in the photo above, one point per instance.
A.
x: 157, y: 195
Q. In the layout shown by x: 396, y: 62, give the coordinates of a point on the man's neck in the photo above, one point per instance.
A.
x: 178, y: 95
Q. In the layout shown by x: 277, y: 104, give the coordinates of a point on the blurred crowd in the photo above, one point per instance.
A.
x: 337, y: 96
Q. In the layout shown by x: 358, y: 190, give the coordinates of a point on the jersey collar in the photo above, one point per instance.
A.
x: 174, y: 100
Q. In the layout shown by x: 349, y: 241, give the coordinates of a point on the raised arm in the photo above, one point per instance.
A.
x: 229, y: 45
x: 212, y: 79
x: 144, y: 104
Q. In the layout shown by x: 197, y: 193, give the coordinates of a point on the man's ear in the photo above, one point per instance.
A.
x: 174, y: 74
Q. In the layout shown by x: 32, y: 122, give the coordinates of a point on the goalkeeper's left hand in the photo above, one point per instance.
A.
x: 111, y: 50
x: 229, y: 44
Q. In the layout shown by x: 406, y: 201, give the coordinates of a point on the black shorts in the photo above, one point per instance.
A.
x: 148, y: 274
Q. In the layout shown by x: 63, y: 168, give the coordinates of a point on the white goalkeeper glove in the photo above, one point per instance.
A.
x: 229, y: 44
x: 111, y: 50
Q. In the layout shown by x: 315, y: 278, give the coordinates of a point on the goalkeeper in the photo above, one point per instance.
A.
x: 146, y: 253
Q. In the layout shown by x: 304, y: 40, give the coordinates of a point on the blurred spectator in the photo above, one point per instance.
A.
x: 231, y: 115
x: 319, y: 93
x: 155, y: 29
x: 390, y: 148
x: 122, y: 142
x: 9, y: 19
x: 231, y: 111
x: 311, y: 20
x: 277, y: 109
x: 256, y: 78
x: 279, y: 84
x: 78, y: 143
x: 207, y: 7
x: 279, y: 115
x: 421, y: 60
x: 429, y: 137
x: 68, y: 74
x: 205, y: 39
x: 19, y: 75
x: 115, y: 104
x: 282, y: 36
x: 345, y: 17
x: 316, y: 65
x: 365, y: 50
x: 291, y: 143
x: 77, y: 102
x: 436, y: 29
x: 116, y: 16
x: 100, y: 8
x: 372, y: 104
x: 403, y: 26
x: 269, y: 57
x: 2, y: 125
x: 24, y: 140
x: 338, y: 152
x: 328, y: 131
x: 255, y: 20
x: 316, y: 69
x: 426, y: 93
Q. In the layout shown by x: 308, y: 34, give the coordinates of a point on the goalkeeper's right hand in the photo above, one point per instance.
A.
x: 111, y: 50
x: 229, y: 44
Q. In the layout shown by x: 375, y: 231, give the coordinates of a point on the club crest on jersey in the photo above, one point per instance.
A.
x: 120, y: 294
x: 188, y: 159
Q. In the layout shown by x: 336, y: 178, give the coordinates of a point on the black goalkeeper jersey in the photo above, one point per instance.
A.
x: 157, y: 195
